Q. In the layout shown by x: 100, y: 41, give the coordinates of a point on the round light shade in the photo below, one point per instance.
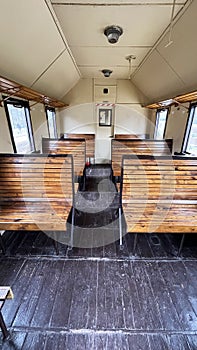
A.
x: 113, y: 33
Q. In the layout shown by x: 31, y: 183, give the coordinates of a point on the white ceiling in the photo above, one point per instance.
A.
x: 83, y: 23
x: 50, y: 44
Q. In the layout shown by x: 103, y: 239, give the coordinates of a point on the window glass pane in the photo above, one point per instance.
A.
x: 19, y: 128
x: 161, y: 124
x: 51, y: 123
x: 192, y: 140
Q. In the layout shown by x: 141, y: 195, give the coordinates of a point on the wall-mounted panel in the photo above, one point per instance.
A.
x: 181, y: 54
x: 156, y: 78
x: 59, y: 78
x: 29, y: 40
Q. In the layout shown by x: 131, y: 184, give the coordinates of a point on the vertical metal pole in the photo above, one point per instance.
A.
x: 120, y: 226
x: 56, y: 243
x: 181, y: 244
x: 135, y: 243
x: 72, y: 227
x: 3, y: 327
x: 2, y: 245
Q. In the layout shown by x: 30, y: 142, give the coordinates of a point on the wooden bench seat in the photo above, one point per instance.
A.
x: 90, y: 142
x: 36, y: 191
x: 119, y: 147
x: 76, y: 147
x: 159, y: 194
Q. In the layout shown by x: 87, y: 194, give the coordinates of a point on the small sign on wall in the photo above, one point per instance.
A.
x: 105, y: 117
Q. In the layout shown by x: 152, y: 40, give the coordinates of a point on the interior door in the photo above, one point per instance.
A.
x: 104, y: 132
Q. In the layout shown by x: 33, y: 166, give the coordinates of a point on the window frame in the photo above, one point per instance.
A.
x: 157, y: 121
x: 52, y: 109
x: 25, y: 105
x: 188, y: 127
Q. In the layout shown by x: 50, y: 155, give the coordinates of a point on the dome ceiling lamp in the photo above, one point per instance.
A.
x: 107, y: 72
x: 113, y: 33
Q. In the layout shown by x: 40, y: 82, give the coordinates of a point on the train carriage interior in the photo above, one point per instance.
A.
x: 98, y: 175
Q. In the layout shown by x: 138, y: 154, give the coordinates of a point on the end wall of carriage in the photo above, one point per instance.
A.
x: 80, y: 116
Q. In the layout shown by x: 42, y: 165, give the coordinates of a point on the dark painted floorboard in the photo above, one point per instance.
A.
x: 100, y: 297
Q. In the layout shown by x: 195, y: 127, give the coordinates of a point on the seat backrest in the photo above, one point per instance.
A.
x: 90, y: 142
x: 149, y: 178
x: 36, y: 178
x: 131, y: 136
x: 76, y: 147
x: 122, y: 147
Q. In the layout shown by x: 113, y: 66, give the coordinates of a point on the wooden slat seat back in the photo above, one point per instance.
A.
x: 131, y: 136
x: 36, y: 192
x: 76, y: 147
x: 119, y: 147
x: 90, y: 142
x: 159, y: 194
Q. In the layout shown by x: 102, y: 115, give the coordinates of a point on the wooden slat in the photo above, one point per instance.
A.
x: 12, y: 88
x: 131, y: 136
x: 138, y: 147
x: 159, y: 194
x: 90, y: 142
x: 35, y: 198
x: 76, y: 147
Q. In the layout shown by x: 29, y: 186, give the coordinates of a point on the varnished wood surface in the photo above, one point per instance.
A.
x: 90, y: 142
x: 76, y: 147
x: 15, y: 89
x: 131, y: 136
x: 35, y: 192
x: 159, y: 194
x: 120, y: 147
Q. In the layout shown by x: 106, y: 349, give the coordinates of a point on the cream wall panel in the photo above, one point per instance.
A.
x: 169, y: 71
x: 176, y: 125
x: 59, y: 78
x: 5, y: 140
x: 29, y: 40
x: 132, y: 119
x: 99, y: 56
x: 80, y: 93
x: 156, y: 79
x: 39, y: 124
x: 78, y: 119
x: 128, y: 93
x: 181, y: 54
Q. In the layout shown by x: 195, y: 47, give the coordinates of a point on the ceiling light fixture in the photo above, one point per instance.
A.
x: 107, y: 72
x: 113, y: 33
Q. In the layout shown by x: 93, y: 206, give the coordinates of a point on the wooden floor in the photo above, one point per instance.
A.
x: 100, y: 298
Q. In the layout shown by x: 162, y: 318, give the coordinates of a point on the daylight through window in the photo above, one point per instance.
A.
x: 20, y: 125
x: 161, y: 121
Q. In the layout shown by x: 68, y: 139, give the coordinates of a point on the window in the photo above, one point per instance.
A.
x: 161, y: 122
x: 19, y: 122
x: 190, y: 138
x: 51, y: 120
